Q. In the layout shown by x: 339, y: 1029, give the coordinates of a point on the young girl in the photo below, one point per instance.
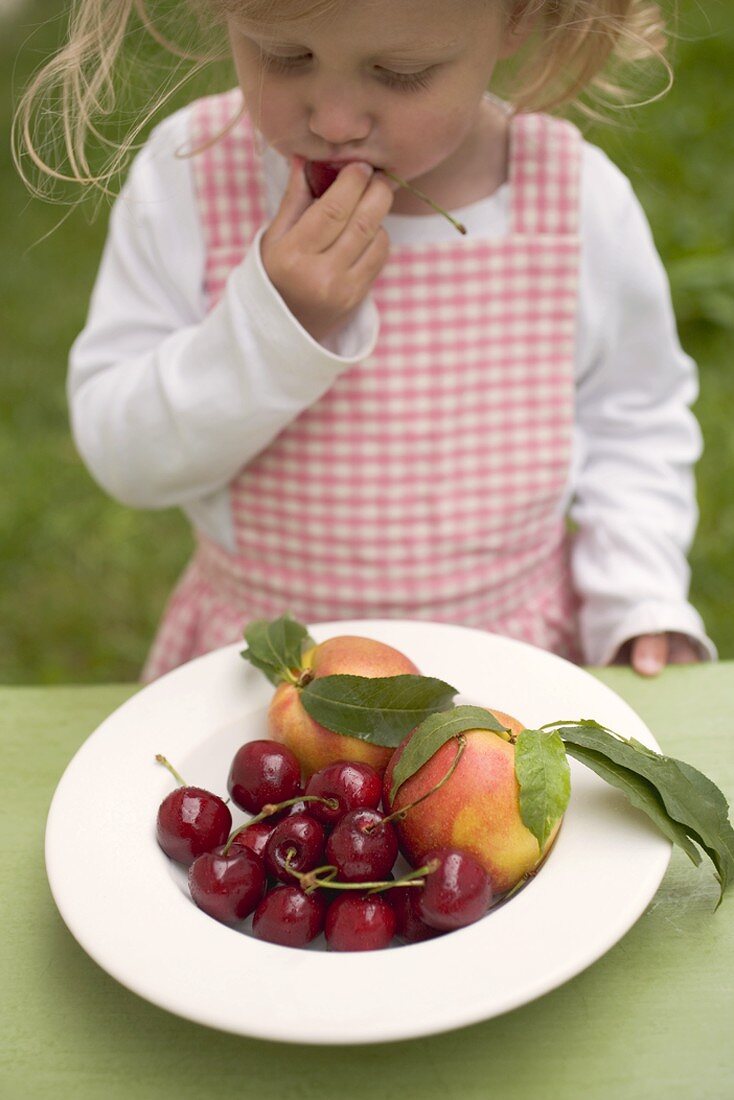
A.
x: 363, y: 413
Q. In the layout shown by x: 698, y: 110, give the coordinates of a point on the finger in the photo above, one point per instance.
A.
x: 324, y: 221
x: 295, y: 201
x: 364, y: 225
x: 371, y: 262
x: 649, y: 654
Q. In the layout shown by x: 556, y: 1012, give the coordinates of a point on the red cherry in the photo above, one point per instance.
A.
x: 290, y: 811
x: 289, y: 916
x: 352, y: 784
x: 320, y: 174
x: 362, y: 847
x: 457, y: 893
x: 191, y: 821
x: 362, y: 923
x: 227, y: 887
x: 298, y: 841
x: 262, y: 772
x: 408, y: 924
x: 254, y: 837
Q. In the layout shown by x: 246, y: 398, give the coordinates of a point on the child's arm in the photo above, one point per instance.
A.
x: 169, y: 402
x: 637, y: 442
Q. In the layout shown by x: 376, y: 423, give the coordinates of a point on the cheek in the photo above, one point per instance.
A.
x: 427, y: 135
x: 273, y: 111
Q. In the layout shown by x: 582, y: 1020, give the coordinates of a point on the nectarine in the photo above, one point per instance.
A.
x: 314, y: 745
x: 477, y: 809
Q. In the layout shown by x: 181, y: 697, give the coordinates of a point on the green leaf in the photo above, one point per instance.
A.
x: 434, y: 732
x: 542, y: 771
x: 380, y: 709
x: 690, y: 799
x: 276, y: 648
x: 640, y: 792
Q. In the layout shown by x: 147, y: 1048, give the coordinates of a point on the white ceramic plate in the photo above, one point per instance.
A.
x: 128, y: 907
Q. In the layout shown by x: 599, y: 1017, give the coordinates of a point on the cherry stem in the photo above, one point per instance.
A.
x: 271, y: 808
x: 162, y: 760
x: 439, y: 209
x: 412, y: 878
x: 324, y: 876
x: 401, y: 813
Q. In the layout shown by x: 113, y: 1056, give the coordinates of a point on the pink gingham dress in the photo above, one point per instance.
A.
x: 428, y: 482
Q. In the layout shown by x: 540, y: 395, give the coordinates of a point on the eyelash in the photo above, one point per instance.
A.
x: 403, y: 81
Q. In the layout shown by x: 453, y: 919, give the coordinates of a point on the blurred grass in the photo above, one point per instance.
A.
x: 83, y: 580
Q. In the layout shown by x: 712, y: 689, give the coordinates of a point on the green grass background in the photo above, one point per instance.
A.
x: 83, y: 580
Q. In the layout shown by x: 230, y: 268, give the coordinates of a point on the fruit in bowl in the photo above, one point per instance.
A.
x: 314, y: 744
x: 279, y: 876
x: 470, y: 797
x: 476, y: 809
x: 476, y: 798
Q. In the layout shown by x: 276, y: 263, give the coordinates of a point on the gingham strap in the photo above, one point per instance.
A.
x: 544, y: 176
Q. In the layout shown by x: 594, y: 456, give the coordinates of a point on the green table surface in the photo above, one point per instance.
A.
x: 653, y: 1018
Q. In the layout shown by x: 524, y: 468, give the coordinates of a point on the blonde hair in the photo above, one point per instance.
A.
x: 578, y: 54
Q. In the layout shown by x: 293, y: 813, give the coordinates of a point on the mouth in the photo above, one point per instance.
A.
x: 320, y: 174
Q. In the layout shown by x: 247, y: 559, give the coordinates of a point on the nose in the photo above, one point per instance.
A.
x: 337, y: 116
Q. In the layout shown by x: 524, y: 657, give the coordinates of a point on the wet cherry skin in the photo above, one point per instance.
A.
x: 362, y: 847
x: 359, y: 923
x: 262, y: 772
x: 408, y: 924
x: 352, y: 784
x: 457, y: 893
x: 288, y: 916
x: 191, y: 821
x: 254, y: 837
x: 300, y: 835
x: 229, y: 887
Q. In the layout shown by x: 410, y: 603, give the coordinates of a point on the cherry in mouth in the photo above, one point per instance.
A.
x: 320, y: 174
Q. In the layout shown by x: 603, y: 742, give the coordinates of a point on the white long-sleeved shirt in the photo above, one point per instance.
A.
x: 169, y: 401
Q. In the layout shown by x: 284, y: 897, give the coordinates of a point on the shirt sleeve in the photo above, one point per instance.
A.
x: 168, y: 402
x: 634, y: 504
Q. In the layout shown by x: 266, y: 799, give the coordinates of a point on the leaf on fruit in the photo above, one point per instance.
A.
x: 380, y: 709
x: 276, y: 648
x: 695, y: 808
x: 541, y: 767
x: 434, y: 732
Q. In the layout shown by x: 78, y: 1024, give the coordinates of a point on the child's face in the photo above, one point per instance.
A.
x: 398, y: 83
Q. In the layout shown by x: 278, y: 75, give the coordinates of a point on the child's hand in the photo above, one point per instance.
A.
x: 650, y: 653
x: 323, y: 256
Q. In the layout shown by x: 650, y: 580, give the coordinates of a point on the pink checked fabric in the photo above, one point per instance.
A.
x: 427, y: 483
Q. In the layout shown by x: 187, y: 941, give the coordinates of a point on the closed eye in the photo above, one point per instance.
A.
x: 272, y: 61
x: 407, y: 80
x: 404, y: 81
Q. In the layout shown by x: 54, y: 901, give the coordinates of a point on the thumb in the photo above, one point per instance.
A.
x: 296, y: 200
x: 649, y: 654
